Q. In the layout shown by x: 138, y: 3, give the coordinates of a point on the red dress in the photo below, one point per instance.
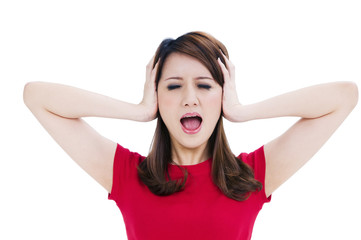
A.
x: 200, y: 211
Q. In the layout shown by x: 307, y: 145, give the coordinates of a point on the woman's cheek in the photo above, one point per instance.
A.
x: 166, y: 102
x: 215, y: 100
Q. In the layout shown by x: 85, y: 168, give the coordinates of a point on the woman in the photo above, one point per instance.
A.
x: 190, y: 186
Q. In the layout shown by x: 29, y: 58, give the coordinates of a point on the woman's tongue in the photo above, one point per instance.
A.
x: 191, y: 123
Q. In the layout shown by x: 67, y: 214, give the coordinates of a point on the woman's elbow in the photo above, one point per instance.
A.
x: 30, y: 93
x: 351, y: 91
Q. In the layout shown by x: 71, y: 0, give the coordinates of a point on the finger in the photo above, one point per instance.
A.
x: 154, y: 71
x: 223, y: 67
x: 150, y: 66
x: 224, y: 57
x: 151, y: 62
x: 224, y: 70
x: 156, y: 65
x: 230, y: 66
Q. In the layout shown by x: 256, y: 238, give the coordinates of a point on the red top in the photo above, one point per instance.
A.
x: 200, y: 211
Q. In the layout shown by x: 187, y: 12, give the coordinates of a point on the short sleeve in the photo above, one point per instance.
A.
x: 257, y: 161
x: 125, y: 164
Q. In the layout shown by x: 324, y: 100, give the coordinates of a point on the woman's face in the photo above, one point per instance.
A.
x: 189, y: 100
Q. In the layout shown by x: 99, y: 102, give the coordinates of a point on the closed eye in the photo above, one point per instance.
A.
x: 205, y: 86
x: 173, y: 86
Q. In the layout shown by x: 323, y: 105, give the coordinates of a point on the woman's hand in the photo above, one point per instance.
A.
x: 230, y: 103
x: 149, y: 103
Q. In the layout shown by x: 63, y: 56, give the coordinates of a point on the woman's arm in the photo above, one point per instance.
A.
x: 73, y: 103
x: 60, y: 110
x: 322, y: 109
x: 309, y: 103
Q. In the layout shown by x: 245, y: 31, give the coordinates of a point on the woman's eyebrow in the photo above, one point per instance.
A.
x: 197, y: 78
x: 201, y: 78
x: 176, y: 78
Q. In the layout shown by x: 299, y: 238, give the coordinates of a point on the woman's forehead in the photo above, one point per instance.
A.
x: 182, y: 64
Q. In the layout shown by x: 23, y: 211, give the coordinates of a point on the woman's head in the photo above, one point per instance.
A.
x: 189, y: 83
x: 199, y: 45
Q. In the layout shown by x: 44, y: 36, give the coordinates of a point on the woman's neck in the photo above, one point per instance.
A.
x: 189, y: 156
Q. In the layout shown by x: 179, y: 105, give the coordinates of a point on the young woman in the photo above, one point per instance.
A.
x: 190, y: 186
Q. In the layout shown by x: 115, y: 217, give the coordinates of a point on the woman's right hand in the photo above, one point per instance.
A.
x: 149, y: 103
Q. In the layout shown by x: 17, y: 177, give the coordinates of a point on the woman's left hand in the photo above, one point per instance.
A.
x: 230, y: 103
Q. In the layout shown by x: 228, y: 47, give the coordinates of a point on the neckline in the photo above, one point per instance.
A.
x: 204, y: 166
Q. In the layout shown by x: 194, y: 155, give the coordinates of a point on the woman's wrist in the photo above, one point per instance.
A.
x: 235, y: 113
x: 144, y: 113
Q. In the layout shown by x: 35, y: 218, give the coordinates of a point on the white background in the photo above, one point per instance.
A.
x: 104, y: 46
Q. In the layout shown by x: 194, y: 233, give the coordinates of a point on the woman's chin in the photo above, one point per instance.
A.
x: 190, y: 142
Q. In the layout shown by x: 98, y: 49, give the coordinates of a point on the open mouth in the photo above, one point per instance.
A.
x: 191, y: 123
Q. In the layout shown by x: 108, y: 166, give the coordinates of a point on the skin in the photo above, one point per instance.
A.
x: 321, y: 109
x: 186, y: 86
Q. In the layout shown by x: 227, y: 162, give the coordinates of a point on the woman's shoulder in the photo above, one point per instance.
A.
x: 257, y: 161
x: 254, y: 157
x: 125, y: 155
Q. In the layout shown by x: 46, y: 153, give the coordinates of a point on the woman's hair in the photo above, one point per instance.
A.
x: 232, y: 176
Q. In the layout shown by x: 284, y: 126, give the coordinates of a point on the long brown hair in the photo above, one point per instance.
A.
x: 232, y: 176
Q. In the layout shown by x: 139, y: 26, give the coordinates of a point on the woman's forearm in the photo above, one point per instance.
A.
x: 310, y: 102
x: 71, y: 102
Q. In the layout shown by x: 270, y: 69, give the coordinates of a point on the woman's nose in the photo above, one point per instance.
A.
x: 190, y: 97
